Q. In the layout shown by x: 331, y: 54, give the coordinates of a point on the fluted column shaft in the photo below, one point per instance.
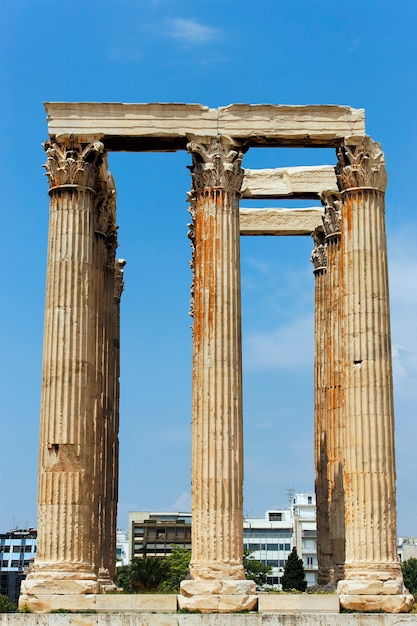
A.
x: 369, y: 463
x: 106, y: 244
x: 114, y: 394
x: 68, y: 482
x: 319, y: 260
x: 217, y: 439
x: 335, y: 423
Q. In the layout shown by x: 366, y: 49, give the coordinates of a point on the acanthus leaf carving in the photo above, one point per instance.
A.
x: 216, y: 164
x: 319, y: 253
x: 71, y: 163
x: 332, y: 217
x: 361, y: 164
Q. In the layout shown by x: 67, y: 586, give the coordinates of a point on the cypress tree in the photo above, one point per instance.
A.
x: 294, y: 575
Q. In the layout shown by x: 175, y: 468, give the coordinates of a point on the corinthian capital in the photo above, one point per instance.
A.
x: 361, y: 164
x: 72, y: 163
x: 216, y: 163
x: 319, y: 253
x: 332, y: 218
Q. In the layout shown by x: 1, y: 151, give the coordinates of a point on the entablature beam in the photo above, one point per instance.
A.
x: 168, y: 127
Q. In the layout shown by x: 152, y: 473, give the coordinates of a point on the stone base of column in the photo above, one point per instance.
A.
x: 42, y: 583
x: 218, y: 596
x: 107, y: 584
x: 325, y: 576
x: 373, y: 591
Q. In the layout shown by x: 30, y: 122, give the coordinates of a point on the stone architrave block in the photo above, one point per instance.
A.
x: 280, y: 221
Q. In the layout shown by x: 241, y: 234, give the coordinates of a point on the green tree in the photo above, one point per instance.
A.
x: 294, y: 576
x: 178, y: 565
x: 146, y: 574
x: 409, y: 569
x: 123, y: 578
x: 254, y: 569
x: 6, y: 605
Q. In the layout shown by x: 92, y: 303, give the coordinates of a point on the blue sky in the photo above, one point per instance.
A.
x: 362, y: 54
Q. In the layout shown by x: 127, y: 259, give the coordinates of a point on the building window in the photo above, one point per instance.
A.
x: 275, y: 517
x: 264, y: 534
x: 309, y: 499
x: 17, y: 548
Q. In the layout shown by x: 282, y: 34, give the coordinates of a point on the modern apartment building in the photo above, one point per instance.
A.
x: 17, y: 550
x: 270, y: 539
x: 122, y: 547
x: 153, y: 533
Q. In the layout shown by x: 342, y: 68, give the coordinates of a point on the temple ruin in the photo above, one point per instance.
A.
x: 353, y: 406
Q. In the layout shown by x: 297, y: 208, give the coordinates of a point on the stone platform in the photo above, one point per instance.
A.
x: 292, y: 603
x: 175, y: 619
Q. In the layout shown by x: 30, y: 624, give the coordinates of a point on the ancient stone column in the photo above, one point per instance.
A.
x: 114, y: 391
x: 372, y: 573
x: 319, y: 260
x: 68, y: 483
x: 334, y: 421
x: 217, y: 439
x: 106, y: 244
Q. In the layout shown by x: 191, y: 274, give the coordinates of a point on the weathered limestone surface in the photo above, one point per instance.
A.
x: 167, y: 126
x: 217, y: 438
x: 175, y: 619
x: 334, y: 444
x: 296, y: 603
x: 319, y: 260
x: 74, y: 546
x: 371, y: 567
x: 288, y: 182
x: 279, y: 221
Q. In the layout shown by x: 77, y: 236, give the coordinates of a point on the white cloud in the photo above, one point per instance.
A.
x: 183, y: 503
x: 192, y: 31
x: 287, y: 347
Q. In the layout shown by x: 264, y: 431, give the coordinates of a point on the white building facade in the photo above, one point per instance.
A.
x: 270, y: 539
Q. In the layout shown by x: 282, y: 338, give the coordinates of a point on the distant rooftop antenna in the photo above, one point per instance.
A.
x: 290, y: 495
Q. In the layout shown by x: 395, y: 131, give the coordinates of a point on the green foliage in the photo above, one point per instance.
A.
x: 294, y: 576
x: 146, y: 574
x: 6, y: 605
x: 123, y: 578
x: 409, y: 569
x: 152, y: 574
x: 178, y: 564
x: 255, y: 570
